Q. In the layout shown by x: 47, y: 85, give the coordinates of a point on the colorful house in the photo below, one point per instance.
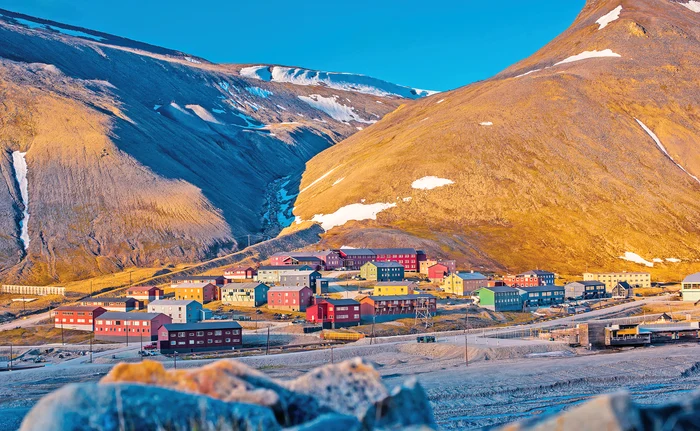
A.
x: 382, y: 271
x: 393, y: 288
x: 240, y: 273
x: 334, y: 313
x: 216, y: 280
x: 690, y: 288
x: 145, y: 293
x: 292, y: 298
x: 354, y: 258
x: 543, y: 295
x: 77, y: 317
x: 532, y: 278
x: 200, y: 292
x: 585, y: 289
x: 179, y: 311
x: 622, y: 290
x: 127, y: 328
x: 464, y: 283
x: 385, y: 308
x: 244, y: 294
x: 271, y: 274
x: 299, y: 278
x: 407, y: 257
x: 199, y: 337
x: 438, y: 272
x: 113, y: 303
x: 500, y: 298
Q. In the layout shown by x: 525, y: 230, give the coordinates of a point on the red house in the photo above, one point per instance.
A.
x: 293, y: 298
x: 78, y: 317
x: 199, y: 337
x: 325, y: 259
x: 384, y: 308
x: 408, y: 257
x: 145, y: 293
x: 354, y: 258
x: 123, y: 327
x: 334, y: 313
x: 531, y: 278
x: 240, y: 273
x: 437, y: 272
x: 110, y: 303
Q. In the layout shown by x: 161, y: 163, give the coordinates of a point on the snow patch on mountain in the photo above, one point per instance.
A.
x: 673, y: 260
x: 333, y: 108
x: 69, y: 32
x: 192, y: 60
x: 527, y: 73
x: 19, y: 162
x: 589, y: 54
x: 351, y: 212
x: 318, y: 179
x: 336, y: 80
x: 609, y: 17
x: 250, y: 121
x: 486, y: 123
x: 693, y: 5
x: 203, y: 114
x: 430, y: 182
x: 634, y: 257
x: 663, y: 149
x: 338, y: 181
x: 260, y: 92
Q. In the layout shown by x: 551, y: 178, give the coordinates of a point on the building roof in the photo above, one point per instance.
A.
x: 107, y: 299
x: 395, y: 283
x: 190, y: 285
x: 202, y: 326
x: 394, y: 250
x: 548, y: 288
x: 339, y: 302
x: 286, y: 288
x: 284, y: 267
x: 692, y: 278
x: 400, y: 297
x: 471, y: 276
x: 499, y: 289
x: 239, y: 268
x: 588, y: 283
x: 123, y: 315
x: 142, y: 288
x: 306, y: 258
x: 357, y: 252
x: 78, y: 308
x: 305, y: 272
x: 624, y: 285
x: 242, y: 286
x: 385, y: 264
x: 198, y: 277
x: 536, y: 272
x: 184, y: 302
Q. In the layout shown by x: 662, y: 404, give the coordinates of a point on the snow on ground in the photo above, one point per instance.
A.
x: 408, y: 199
x: 218, y: 111
x: 693, y: 5
x: 439, y: 101
x: 351, y: 212
x: 203, y: 114
x: 318, y: 179
x: 249, y: 121
x: 333, y: 108
x: 527, y: 73
x: 66, y: 31
x: 663, y: 149
x: 156, y: 107
x: 609, y: 17
x: 19, y: 162
x: 260, y: 92
x: 431, y: 182
x: 657, y: 260
x: 634, y: 257
x: 339, y: 81
x: 486, y: 123
x: 338, y: 181
x: 673, y: 260
x: 256, y: 72
x: 281, y: 107
x: 192, y: 60
x: 589, y: 54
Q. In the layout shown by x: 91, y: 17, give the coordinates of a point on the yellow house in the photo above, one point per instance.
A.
x: 691, y: 288
x: 610, y: 279
x: 464, y: 283
x: 391, y: 288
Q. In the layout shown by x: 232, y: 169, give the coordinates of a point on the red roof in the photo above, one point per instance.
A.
x: 142, y: 288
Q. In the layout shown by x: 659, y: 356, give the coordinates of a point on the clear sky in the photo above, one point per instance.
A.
x: 435, y: 45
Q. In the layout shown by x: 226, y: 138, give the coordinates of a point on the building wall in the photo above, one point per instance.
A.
x: 290, y: 300
x: 247, y: 298
x: 200, y: 294
x: 77, y: 320
x: 390, y: 290
x: 179, y: 313
x: 375, y: 273
x: 409, y: 261
x: 610, y: 279
x: 146, y: 330
x: 199, y: 340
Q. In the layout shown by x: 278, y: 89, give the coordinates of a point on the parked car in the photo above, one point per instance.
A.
x: 426, y: 339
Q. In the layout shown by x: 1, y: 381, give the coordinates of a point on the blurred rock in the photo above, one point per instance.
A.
x: 407, y: 406
x: 118, y: 407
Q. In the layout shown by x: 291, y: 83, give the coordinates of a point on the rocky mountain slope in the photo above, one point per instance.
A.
x: 586, y: 152
x: 115, y: 152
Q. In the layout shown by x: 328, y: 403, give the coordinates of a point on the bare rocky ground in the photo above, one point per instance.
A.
x: 505, y: 383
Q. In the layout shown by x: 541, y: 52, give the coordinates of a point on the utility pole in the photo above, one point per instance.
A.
x: 130, y: 282
x: 267, y: 349
x: 374, y: 320
x: 332, y: 359
x: 175, y: 357
x: 466, y: 340
x: 92, y: 335
x: 24, y: 305
x: 63, y: 341
x: 126, y: 327
x: 90, y: 288
x: 10, y: 357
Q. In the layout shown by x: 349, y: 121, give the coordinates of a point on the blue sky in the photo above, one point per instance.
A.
x: 436, y: 45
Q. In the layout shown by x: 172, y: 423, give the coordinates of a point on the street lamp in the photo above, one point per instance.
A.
x: 175, y: 357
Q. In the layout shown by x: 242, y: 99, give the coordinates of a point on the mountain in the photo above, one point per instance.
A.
x: 584, y: 155
x: 116, y: 152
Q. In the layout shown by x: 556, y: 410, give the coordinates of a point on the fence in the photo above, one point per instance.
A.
x: 33, y: 290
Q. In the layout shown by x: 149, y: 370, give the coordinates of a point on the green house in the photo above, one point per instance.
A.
x: 382, y: 271
x: 500, y: 298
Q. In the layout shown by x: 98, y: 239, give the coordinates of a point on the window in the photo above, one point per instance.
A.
x: 181, y: 335
x: 191, y: 341
x: 209, y: 341
x: 228, y: 340
x: 200, y: 333
x: 217, y: 333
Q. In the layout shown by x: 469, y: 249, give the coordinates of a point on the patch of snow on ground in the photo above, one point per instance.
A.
x: 203, y: 114
x: 281, y: 107
x: 609, y: 17
x: 634, y: 257
x: 19, y: 162
x: 663, y: 149
x: 351, y: 212
x: 260, y: 92
x: 66, y: 31
x: 250, y: 121
x: 439, y: 101
x: 156, y: 107
x: 359, y: 128
x: 430, y: 182
x: 335, y: 110
x: 693, y: 5
x: 192, y: 60
x: 338, y: 181
x: 318, y: 179
x: 218, y: 111
x: 486, y: 123
x: 657, y: 260
x: 673, y: 260
x: 256, y: 72
x: 589, y: 54
x: 527, y: 73
x: 408, y: 199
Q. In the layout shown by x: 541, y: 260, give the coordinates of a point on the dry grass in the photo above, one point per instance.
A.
x: 43, y: 334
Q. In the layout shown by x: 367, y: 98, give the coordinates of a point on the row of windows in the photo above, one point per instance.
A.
x: 71, y: 320
x: 200, y: 342
x: 126, y: 322
x: 110, y: 329
x: 201, y: 333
